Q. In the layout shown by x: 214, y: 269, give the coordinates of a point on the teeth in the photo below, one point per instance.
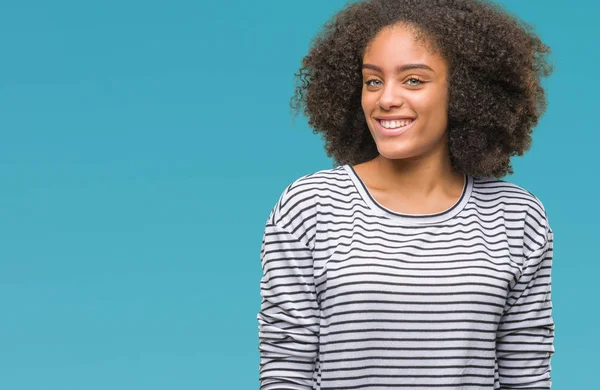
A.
x: 395, y: 124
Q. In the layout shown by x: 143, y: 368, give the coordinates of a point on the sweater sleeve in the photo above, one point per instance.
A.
x: 288, y: 320
x: 525, y: 336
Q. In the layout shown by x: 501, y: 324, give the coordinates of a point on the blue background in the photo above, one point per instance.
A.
x: 142, y: 146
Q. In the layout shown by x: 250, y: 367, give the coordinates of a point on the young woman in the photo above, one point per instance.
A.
x: 410, y: 264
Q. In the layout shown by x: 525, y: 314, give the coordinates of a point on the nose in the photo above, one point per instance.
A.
x: 391, y: 96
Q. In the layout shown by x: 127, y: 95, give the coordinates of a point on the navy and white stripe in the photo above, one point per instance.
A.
x: 357, y: 296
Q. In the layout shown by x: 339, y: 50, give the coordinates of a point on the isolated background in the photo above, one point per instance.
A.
x: 142, y: 146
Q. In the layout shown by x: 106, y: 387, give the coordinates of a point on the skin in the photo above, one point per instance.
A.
x: 412, y: 173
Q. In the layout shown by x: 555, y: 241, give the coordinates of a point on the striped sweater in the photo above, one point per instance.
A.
x: 358, y: 296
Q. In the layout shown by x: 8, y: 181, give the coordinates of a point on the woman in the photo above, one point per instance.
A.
x: 410, y: 264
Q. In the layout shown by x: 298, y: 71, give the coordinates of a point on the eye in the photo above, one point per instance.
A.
x: 368, y: 82
x: 419, y: 81
x: 412, y: 81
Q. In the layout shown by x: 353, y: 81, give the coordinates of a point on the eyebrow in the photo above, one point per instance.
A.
x: 400, y: 68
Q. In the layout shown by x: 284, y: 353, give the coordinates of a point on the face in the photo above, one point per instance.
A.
x: 410, y: 84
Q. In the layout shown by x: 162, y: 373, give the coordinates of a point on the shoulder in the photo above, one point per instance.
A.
x: 296, y: 208
x: 516, y: 198
x: 491, y: 188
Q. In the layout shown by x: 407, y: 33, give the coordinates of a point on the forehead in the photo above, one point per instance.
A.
x: 397, y: 45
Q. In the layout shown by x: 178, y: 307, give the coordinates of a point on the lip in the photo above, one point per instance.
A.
x: 393, y: 118
x: 394, y: 132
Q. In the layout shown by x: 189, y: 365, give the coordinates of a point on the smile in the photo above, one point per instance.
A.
x: 395, y: 127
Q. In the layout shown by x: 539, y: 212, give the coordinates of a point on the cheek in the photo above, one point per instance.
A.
x: 365, y: 100
x: 433, y: 105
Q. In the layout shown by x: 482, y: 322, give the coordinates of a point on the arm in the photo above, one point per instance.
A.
x: 525, y: 336
x: 289, y: 315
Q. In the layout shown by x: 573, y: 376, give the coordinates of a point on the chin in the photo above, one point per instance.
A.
x: 396, y: 153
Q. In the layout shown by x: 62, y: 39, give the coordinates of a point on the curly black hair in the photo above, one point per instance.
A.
x: 495, y: 62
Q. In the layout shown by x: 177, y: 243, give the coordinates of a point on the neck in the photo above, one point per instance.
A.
x: 420, y: 177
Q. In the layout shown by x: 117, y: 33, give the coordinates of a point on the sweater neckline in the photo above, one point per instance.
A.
x: 414, y: 219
